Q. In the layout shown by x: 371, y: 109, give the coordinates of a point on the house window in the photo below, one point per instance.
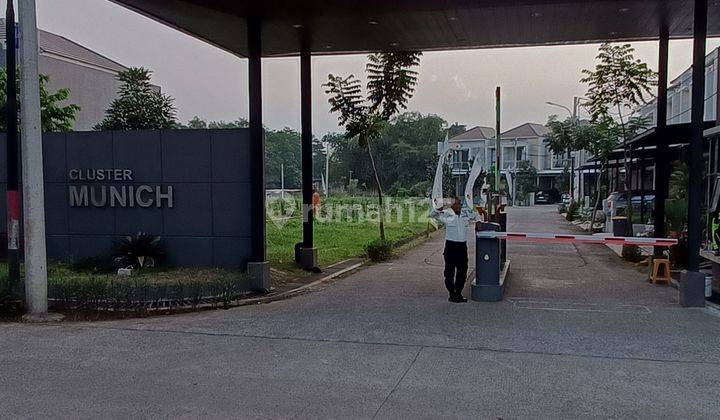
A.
x: 520, y: 153
x: 508, y: 158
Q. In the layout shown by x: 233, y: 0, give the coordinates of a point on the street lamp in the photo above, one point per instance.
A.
x: 573, y: 120
x: 563, y: 107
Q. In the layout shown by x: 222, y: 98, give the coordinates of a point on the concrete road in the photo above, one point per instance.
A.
x: 580, y: 335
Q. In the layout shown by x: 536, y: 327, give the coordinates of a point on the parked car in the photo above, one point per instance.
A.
x: 547, y: 197
x: 617, y: 202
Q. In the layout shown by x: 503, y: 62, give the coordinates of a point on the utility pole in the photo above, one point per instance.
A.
x: 497, y: 140
x: 282, y: 181
x: 36, y: 299
x: 574, y: 122
x: 514, y: 197
x: 13, y: 198
x: 576, y: 103
x: 327, y: 169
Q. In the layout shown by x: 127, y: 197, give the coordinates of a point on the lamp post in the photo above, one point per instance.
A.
x: 327, y: 169
x: 573, y: 120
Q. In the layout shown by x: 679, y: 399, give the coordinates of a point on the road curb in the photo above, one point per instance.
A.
x: 302, y: 289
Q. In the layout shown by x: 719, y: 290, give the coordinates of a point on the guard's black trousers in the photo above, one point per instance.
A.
x: 456, y: 266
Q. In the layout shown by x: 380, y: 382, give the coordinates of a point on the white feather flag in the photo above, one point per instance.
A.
x: 437, y: 193
x: 474, y: 173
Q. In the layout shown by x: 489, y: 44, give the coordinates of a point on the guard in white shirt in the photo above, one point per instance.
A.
x: 456, y: 224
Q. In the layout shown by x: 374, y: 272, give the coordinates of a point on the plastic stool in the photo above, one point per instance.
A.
x: 659, y: 263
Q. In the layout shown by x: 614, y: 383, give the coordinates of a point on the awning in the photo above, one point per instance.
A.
x: 356, y: 26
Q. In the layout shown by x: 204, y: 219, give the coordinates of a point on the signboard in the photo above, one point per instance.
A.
x: 113, y: 188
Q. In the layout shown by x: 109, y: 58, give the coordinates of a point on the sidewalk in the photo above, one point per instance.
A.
x: 580, y: 334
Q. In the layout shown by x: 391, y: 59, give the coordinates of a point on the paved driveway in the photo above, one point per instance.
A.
x: 581, y: 334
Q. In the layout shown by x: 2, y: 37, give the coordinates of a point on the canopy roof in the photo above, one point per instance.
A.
x: 356, y: 26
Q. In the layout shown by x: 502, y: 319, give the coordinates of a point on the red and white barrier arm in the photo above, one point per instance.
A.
x: 582, y: 239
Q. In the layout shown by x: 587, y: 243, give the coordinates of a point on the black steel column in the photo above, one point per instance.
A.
x: 695, y: 155
x: 257, y: 140
x: 662, y: 158
x: 306, y: 129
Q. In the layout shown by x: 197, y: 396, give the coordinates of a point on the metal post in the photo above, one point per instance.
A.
x: 258, y: 268
x: 514, y: 180
x: 327, y: 169
x: 36, y: 297
x: 306, y: 135
x: 282, y: 181
x: 11, y: 110
x: 641, y: 162
x: 307, y: 255
x: 695, y: 154
x: 497, y: 140
x: 662, y: 159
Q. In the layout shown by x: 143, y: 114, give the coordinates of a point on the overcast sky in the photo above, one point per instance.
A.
x: 212, y: 84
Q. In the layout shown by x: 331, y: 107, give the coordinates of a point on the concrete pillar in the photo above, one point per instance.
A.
x: 258, y: 268
x: 36, y: 297
x: 662, y: 160
x: 307, y: 254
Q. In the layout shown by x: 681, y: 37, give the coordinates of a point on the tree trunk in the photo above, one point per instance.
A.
x: 597, y: 198
x: 627, y: 158
x: 381, y: 213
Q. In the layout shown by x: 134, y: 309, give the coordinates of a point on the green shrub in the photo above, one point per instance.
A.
x: 572, y: 211
x: 95, y: 265
x: 631, y: 253
x: 4, y: 288
x: 379, y: 250
x: 421, y: 189
x: 140, y: 249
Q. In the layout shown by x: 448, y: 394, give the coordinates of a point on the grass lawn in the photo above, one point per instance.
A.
x: 346, y: 232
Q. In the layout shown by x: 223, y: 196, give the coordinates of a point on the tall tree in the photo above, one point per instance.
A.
x: 196, y: 123
x: 55, y: 113
x: 238, y: 123
x: 138, y: 105
x: 526, y: 179
x: 391, y: 83
x: 282, y: 150
x: 616, y: 87
x: 598, y: 138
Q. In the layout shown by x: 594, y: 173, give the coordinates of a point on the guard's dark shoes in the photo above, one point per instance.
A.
x: 460, y: 299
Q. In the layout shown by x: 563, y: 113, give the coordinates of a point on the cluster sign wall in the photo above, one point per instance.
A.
x: 191, y: 187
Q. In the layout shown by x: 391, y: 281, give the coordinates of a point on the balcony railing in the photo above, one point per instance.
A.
x: 459, y: 167
x: 510, y: 165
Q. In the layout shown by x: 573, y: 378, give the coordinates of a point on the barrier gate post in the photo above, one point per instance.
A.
x: 502, y: 217
x: 486, y: 287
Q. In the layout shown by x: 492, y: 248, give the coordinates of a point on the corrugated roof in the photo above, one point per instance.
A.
x: 475, y: 133
x: 526, y: 130
x: 58, y: 45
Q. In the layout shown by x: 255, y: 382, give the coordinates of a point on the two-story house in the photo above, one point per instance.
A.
x: 525, y: 142
x: 90, y: 77
x: 678, y: 100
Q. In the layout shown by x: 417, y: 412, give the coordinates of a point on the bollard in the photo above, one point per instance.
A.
x: 486, y: 287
